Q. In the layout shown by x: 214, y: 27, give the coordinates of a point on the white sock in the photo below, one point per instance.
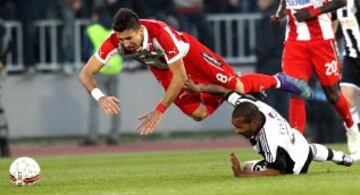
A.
x: 322, y: 153
x: 355, y: 114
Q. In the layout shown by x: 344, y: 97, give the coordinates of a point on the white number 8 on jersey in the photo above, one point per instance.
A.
x: 222, y: 78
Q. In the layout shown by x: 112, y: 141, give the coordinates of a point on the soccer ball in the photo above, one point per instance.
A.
x: 24, y: 171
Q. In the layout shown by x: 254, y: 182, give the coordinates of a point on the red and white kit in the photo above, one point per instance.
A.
x: 163, y: 45
x: 310, y: 45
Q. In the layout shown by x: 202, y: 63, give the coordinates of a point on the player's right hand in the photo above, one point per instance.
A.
x: 235, y: 165
x: 109, y: 104
x: 275, y: 20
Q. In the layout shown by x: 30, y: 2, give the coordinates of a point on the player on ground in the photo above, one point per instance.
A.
x: 310, y: 47
x: 349, y: 17
x: 284, y: 149
x: 173, y: 57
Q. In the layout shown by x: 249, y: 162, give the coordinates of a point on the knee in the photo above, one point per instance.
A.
x: 199, y: 116
x: 333, y: 98
x: 332, y: 95
x: 200, y: 113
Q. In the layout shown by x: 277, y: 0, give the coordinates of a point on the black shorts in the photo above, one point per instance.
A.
x: 308, y: 162
x: 351, y: 72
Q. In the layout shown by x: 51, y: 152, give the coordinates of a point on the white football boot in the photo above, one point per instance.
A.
x: 353, y: 141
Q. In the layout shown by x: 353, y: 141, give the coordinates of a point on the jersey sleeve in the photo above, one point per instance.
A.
x: 108, y: 49
x: 234, y: 98
x: 170, y: 43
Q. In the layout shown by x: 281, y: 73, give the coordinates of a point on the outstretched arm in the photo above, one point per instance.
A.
x: 191, y: 87
x: 307, y: 14
x: 109, y: 104
x: 239, y: 172
x: 151, y: 120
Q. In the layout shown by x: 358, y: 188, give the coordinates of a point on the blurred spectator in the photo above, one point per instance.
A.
x: 216, y: 7
x: 8, y: 10
x: 112, y: 6
x: 108, y: 79
x: 70, y: 10
x: 191, y: 14
x: 230, y: 6
x: 4, y: 132
x: 159, y: 9
x: 250, y: 5
x: 28, y: 11
x: 269, y: 51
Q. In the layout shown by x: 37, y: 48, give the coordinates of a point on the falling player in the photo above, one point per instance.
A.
x: 173, y: 57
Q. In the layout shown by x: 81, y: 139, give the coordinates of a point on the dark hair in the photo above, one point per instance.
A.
x: 125, y: 19
x: 248, y: 111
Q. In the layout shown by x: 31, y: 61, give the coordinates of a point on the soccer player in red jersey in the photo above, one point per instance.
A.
x: 173, y: 57
x: 310, y: 47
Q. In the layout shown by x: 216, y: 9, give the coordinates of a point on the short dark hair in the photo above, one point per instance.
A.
x: 246, y: 110
x: 125, y: 19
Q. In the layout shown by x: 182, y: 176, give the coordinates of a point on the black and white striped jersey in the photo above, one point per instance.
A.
x: 282, y: 147
x: 348, y: 17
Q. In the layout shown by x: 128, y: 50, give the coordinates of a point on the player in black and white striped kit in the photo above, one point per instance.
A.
x: 284, y: 149
x: 349, y: 18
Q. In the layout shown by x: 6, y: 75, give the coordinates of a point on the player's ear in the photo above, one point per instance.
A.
x: 141, y: 30
x: 254, y: 124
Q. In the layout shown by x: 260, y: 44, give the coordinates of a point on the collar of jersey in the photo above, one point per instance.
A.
x: 145, y: 43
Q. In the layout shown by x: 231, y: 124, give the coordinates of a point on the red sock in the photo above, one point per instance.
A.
x: 342, y: 107
x: 211, y: 102
x: 297, y: 114
x: 257, y: 82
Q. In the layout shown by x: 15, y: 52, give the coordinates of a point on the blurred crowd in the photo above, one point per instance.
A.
x: 184, y: 15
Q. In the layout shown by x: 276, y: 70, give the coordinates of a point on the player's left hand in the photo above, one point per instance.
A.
x: 191, y: 87
x: 148, y: 122
x: 235, y: 165
x: 303, y: 15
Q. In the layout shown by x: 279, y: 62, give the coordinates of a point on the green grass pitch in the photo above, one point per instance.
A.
x: 185, y: 172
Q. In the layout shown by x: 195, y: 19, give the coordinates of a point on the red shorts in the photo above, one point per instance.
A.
x: 301, y: 58
x: 203, y: 66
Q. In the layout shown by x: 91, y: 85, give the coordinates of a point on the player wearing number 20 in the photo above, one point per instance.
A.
x: 173, y: 57
x: 310, y: 47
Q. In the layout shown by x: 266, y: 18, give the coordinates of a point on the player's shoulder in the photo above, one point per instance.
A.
x: 154, y: 26
x: 153, y: 23
x: 111, y: 38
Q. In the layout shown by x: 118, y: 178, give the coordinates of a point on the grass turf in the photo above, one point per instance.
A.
x: 186, y: 172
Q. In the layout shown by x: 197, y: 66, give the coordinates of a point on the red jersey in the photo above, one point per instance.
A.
x: 162, y: 45
x: 318, y: 28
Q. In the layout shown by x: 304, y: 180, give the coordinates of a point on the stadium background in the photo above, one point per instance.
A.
x: 43, y: 97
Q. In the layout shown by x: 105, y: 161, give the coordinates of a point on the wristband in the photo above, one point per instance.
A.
x: 315, y: 12
x: 96, y: 93
x: 161, y: 107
